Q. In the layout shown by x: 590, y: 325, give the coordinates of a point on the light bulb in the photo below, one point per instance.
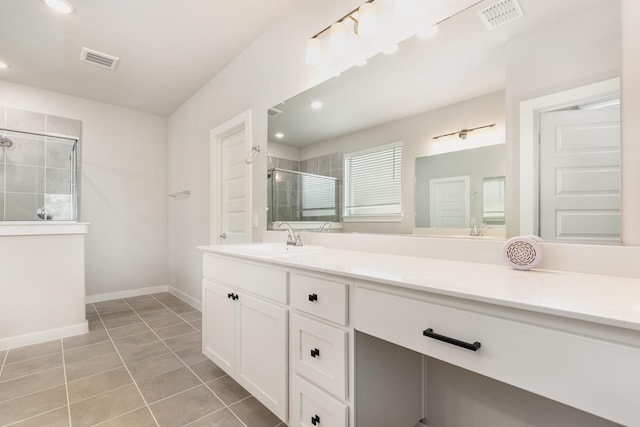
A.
x: 279, y: 135
x: 367, y: 20
x: 61, y: 6
x: 314, y: 51
x: 316, y: 105
x: 405, y: 8
x: 338, y: 39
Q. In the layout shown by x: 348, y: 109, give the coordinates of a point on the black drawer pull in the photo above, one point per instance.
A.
x: 315, y: 352
x: 230, y: 295
x: 429, y: 333
x: 313, y: 297
x: 235, y: 297
x: 315, y: 420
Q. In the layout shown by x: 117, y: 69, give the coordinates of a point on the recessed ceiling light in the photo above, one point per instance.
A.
x: 4, y: 65
x: 61, y: 6
x: 316, y: 105
x: 279, y: 135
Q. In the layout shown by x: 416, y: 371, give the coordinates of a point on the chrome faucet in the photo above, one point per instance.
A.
x: 475, y: 231
x: 292, y: 238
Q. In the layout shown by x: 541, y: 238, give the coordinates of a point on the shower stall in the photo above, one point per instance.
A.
x: 38, y: 177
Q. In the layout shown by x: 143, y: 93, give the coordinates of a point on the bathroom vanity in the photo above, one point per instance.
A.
x: 332, y: 337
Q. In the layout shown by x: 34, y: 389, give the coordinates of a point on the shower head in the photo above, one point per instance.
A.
x: 5, y: 142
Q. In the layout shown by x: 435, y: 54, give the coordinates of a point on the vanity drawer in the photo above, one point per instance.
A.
x: 319, y: 353
x: 321, y: 297
x: 583, y: 372
x: 255, y: 278
x: 311, y: 407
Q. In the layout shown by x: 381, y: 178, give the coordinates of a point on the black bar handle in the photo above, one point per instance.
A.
x: 429, y: 333
x: 235, y: 297
x: 315, y: 420
x: 315, y: 352
x: 313, y: 297
x: 230, y: 295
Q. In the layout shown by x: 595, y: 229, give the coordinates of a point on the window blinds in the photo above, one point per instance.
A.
x: 373, y: 181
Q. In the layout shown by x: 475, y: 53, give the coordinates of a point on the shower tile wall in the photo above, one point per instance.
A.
x: 286, y: 202
x: 38, y: 174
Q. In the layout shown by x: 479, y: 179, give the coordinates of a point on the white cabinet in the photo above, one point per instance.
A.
x: 568, y: 367
x: 319, y: 353
x: 319, y: 350
x: 219, y: 332
x: 246, y: 335
x: 313, y: 407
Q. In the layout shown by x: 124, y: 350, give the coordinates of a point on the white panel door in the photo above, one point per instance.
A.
x: 449, y: 202
x: 218, y: 328
x: 235, y: 201
x: 261, y: 356
x: 580, y: 175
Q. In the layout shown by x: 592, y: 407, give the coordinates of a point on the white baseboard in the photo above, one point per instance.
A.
x: 44, y: 336
x: 186, y: 298
x: 126, y: 294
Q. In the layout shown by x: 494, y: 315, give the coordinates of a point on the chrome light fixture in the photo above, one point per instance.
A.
x: 365, y: 21
x: 462, y: 134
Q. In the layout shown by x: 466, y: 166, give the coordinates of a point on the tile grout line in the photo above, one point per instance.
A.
x: 32, y: 373
x: 35, y: 416
x: 66, y: 384
x: 4, y: 359
x: 31, y: 393
x: 183, y: 362
x: 125, y: 365
x: 228, y: 407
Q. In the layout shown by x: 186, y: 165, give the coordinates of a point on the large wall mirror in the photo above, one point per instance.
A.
x: 453, y: 104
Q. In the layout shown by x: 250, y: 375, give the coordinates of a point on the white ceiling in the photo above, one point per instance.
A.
x: 168, y: 49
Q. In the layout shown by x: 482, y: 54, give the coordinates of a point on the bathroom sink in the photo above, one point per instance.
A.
x: 267, y: 249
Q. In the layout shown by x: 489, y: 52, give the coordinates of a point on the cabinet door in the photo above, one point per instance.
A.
x: 262, y: 352
x: 218, y: 328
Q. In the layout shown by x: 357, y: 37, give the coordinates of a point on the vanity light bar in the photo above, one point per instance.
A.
x: 462, y: 134
x: 364, y: 18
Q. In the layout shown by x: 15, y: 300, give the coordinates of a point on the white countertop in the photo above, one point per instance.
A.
x: 608, y: 300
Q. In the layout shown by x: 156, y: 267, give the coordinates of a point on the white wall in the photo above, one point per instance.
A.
x: 272, y: 69
x: 123, y: 187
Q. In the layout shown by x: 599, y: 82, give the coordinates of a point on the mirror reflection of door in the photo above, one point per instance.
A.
x: 580, y: 173
x: 449, y: 202
x: 493, y: 201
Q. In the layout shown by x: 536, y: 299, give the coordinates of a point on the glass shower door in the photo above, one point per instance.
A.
x: 37, y: 177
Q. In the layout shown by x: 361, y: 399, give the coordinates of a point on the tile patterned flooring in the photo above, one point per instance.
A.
x: 141, y: 364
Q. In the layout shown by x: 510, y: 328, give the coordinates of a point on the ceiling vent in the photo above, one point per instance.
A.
x: 98, y: 58
x: 501, y: 13
x: 273, y: 112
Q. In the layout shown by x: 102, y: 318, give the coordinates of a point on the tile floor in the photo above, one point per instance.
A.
x: 140, y: 365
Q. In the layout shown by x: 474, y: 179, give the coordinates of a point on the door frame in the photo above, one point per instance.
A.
x: 432, y: 197
x: 530, y: 111
x: 240, y: 122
